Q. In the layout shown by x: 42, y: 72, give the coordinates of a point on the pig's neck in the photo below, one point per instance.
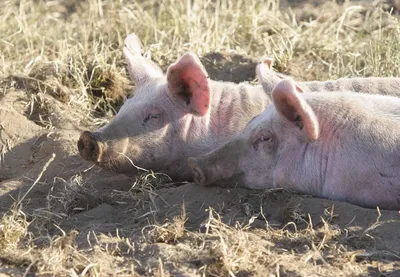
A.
x: 232, y: 107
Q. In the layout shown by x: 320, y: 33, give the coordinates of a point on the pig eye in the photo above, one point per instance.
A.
x: 151, y: 115
x: 262, y: 138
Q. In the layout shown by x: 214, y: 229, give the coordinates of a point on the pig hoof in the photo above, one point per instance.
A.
x: 198, y: 175
x: 88, y: 146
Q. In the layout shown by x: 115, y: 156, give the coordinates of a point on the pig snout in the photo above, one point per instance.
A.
x: 198, y: 174
x: 205, y: 172
x: 89, y: 147
x: 219, y: 167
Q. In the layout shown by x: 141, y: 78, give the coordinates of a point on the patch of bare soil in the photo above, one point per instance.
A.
x: 229, y: 68
x: 62, y: 216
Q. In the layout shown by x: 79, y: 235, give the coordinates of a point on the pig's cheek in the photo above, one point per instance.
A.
x: 251, y: 163
x: 165, y: 121
x: 135, y: 151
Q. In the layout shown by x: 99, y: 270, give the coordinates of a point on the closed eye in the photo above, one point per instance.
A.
x: 261, y: 139
x: 151, y: 116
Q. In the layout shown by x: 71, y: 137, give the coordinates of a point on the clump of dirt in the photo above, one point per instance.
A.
x: 108, y: 87
x: 229, y: 68
x: 43, y: 77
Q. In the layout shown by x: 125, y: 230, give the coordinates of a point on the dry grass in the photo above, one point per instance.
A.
x: 12, y: 229
x: 70, y: 50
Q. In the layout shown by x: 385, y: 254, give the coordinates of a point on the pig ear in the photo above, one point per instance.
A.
x: 187, y: 81
x: 140, y: 69
x: 291, y: 106
x: 268, y: 77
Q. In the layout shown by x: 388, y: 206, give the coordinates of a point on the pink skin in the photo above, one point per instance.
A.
x: 342, y: 146
x: 181, y: 114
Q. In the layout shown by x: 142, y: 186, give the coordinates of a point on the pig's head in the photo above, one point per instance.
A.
x: 152, y: 127
x: 267, y: 144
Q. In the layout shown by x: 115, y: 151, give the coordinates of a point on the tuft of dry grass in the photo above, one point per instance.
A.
x: 13, y: 228
x: 168, y: 232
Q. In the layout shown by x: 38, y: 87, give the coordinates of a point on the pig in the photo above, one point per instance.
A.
x: 342, y: 146
x: 170, y: 118
x: 179, y: 114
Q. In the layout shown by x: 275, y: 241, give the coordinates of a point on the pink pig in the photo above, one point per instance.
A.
x: 342, y: 146
x: 170, y: 118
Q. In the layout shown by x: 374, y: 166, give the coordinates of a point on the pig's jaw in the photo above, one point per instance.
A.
x: 113, y: 155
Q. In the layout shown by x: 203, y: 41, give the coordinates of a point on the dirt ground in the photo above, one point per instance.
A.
x: 62, y: 216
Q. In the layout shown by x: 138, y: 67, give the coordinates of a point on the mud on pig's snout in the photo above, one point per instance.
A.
x: 198, y: 175
x: 89, y: 148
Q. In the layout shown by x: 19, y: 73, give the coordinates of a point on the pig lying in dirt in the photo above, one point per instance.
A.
x: 342, y: 146
x: 182, y: 114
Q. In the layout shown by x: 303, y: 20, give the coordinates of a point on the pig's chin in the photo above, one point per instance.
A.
x: 113, y: 158
x: 118, y: 165
x: 235, y: 181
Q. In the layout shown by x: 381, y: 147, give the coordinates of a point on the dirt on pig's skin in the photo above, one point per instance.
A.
x: 62, y: 216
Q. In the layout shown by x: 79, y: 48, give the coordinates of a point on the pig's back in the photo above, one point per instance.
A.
x: 370, y: 85
x: 365, y: 106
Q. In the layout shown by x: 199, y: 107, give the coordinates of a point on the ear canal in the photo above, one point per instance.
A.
x: 292, y: 107
x: 188, y: 84
x: 140, y: 69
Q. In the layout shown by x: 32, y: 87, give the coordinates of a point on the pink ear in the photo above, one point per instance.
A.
x: 187, y: 81
x: 291, y: 106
